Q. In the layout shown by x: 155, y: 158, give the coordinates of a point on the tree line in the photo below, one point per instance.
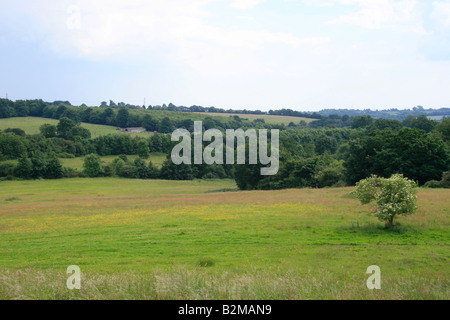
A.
x: 310, y: 156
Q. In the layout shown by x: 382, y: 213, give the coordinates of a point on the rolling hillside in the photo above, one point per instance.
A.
x: 267, y: 118
x: 31, y: 126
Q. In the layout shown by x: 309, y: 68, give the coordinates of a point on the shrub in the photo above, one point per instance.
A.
x: 54, y: 169
x: 444, y: 183
x: 48, y: 130
x: 108, y: 170
x: 6, y: 169
x: 92, y: 166
x: 24, y: 168
x: 446, y: 179
x: 153, y: 171
x: 16, y: 131
x: 143, y: 149
x: 128, y: 171
x: 69, y: 173
x: 433, y: 184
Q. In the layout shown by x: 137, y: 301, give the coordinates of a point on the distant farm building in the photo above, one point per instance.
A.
x: 132, y: 130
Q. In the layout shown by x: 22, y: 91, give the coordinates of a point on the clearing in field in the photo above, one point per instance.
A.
x: 143, y: 239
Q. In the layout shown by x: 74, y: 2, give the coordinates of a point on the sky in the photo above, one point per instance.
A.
x: 305, y: 55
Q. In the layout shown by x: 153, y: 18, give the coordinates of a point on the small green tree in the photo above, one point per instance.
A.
x: 153, y: 171
x: 64, y: 127
x: 48, y: 130
x: 393, y: 196
x: 92, y: 166
x: 39, y: 163
x: 54, y: 169
x: 122, y: 118
x: 24, y: 168
x: 81, y: 132
x: 143, y: 149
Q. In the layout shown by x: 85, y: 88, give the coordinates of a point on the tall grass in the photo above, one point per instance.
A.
x: 199, y: 284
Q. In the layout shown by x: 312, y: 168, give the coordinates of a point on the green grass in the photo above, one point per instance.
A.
x: 31, y: 126
x: 271, y: 119
x: 77, y: 163
x: 191, y: 240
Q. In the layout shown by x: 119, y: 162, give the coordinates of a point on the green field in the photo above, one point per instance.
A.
x: 31, y: 126
x: 267, y: 118
x: 149, y: 239
x: 77, y: 163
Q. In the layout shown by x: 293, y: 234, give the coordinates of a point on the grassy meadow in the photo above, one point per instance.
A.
x: 31, y: 126
x: 77, y: 163
x: 271, y: 119
x: 149, y: 239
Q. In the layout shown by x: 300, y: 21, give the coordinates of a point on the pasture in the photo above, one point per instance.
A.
x: 149, y: 239
x: 77, y: 163
x: 31, y: 126
x: 271, y: 119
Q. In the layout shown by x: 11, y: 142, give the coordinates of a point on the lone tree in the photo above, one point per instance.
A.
x: 393, y: 196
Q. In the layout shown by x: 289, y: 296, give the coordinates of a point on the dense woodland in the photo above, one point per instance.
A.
x: 333, y: 151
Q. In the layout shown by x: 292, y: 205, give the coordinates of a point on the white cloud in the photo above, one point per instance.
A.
x: 245, y: 4
x: 131, y: 30
x: 441, y: 12
x: 396, y: 15
x: 320, y: 3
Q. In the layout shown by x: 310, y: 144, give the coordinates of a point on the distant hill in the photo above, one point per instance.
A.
x: 396, y: 114
x: 271, y: 119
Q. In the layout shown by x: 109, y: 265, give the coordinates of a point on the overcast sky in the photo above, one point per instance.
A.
x: 254, y: 54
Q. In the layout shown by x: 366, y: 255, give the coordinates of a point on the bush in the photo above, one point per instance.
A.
x: 48, y: 130
x: 108, y: 170
x: 444, y: 183
x: 6, y: 169
x: 92, y: 166
x: 433, y: 184
x: 24, y: 168
x: 54, y: 169
x: 143, y: 149
x: 16, y: 131
x: 128, y: 171
x: 153, y: 171
x: 12, y: 146
x: 69, y: 173
x: 446, y: 179
x: 171, y: 171
x: 393, y: 196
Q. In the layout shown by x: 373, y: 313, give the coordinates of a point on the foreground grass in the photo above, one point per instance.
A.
x: 206, y: 243
x: 198, y: 284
